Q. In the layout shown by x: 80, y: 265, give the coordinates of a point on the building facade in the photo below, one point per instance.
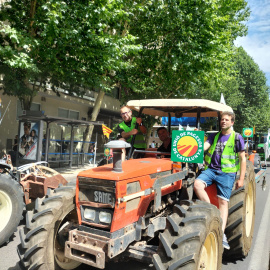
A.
x: 65, y: 106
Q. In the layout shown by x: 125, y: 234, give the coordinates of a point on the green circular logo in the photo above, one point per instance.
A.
x: 187, y: 146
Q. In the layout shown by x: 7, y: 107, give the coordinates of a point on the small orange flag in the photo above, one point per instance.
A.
x: 106, y: 131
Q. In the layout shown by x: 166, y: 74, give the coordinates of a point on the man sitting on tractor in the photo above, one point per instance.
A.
x: 127, y: 129
x: 164, y: 136
x: 226, y: 150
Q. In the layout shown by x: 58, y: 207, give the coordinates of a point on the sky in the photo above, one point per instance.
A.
x: 257, y: 42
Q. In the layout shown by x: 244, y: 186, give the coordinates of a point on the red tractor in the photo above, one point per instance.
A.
x: 140, y: 209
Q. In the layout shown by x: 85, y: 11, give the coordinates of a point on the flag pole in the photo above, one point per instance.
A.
x: 4, y: 113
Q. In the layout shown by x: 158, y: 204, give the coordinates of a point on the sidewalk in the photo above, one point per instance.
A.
x: 67, y: 172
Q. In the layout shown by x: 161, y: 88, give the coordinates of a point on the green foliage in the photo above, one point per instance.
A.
x: 250, y: 95
x: 69, y: 43
x: 185, y: 43
x: 154, y: 48
x: 244, y: 89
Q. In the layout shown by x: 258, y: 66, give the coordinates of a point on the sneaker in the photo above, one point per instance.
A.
x: 225, y: 242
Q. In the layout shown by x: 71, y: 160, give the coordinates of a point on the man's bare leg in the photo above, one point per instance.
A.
x: 199, y: 188
x: 223, y: 208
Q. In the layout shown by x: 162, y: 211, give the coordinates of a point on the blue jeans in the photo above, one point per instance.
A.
x: 224, y: 182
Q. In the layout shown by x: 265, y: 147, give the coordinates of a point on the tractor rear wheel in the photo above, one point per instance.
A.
x: 257, y: 160
x: 240, y: 225
x: 11, y: 206
x: 192, y: 239
x: 43, y: 241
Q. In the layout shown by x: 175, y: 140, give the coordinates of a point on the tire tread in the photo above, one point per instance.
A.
x: 14, y: 190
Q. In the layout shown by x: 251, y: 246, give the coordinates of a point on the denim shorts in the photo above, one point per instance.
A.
x: 224, y: 182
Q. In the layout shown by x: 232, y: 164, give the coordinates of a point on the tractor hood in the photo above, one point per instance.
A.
x: 131, y: 168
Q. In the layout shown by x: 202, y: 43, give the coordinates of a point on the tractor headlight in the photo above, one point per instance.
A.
x: 89, y: 214
x: 105, y: 217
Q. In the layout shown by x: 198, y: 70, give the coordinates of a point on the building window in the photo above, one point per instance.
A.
x: 34, y: 107
x: 65, y: 113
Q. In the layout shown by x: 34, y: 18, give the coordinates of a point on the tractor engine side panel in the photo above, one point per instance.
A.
x: 126, y: 201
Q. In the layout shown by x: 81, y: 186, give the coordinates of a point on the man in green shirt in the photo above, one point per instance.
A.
x: 127, y: 129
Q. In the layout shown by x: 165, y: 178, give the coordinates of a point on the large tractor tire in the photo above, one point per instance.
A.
x: 11, y: 207
x: 257, y: 160
x: 43, y: 240
x: 240, y: 225
x: 192, y: 239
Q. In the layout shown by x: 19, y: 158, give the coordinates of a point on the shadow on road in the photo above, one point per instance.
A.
x: 226, y: 260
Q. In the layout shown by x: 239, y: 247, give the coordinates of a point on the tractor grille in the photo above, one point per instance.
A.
x: 97, y: 191
x: 97, y: 200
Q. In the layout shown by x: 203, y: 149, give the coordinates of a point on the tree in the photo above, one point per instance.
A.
x: 249, y: 96
x: 70, y: 45
x: 158, y: 47
x: 244, y: 89
x: 183, y: 43
x: 186, y: 46
x: 148, y: 49
x: 89, y: 130
x: 67, y: 44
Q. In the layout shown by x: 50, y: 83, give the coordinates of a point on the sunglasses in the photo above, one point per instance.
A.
x: 122, y: 114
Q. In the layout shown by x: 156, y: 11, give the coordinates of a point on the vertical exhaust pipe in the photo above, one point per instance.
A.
x: 117, y: 146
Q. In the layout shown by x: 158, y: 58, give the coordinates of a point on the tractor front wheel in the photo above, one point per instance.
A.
x: 43, y: 241
x: 192, y: 239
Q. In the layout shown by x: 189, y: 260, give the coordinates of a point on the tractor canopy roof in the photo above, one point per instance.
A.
x: 179, y: 107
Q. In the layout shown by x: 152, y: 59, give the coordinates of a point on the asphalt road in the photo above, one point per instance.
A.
x: 258, y: 258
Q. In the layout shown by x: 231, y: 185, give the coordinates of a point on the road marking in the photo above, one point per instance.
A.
x: 260, y: 254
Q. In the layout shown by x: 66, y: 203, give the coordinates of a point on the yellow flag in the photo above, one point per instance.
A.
x: 106, y: 131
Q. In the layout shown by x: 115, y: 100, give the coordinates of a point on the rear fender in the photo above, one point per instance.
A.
x: 212, y: 193
x: 252, y: 157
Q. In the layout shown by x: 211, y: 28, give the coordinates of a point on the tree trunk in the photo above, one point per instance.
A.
x: 26, y: 102
x: 147, y: 137
x: 150, y: 124
x: 89, y: 130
